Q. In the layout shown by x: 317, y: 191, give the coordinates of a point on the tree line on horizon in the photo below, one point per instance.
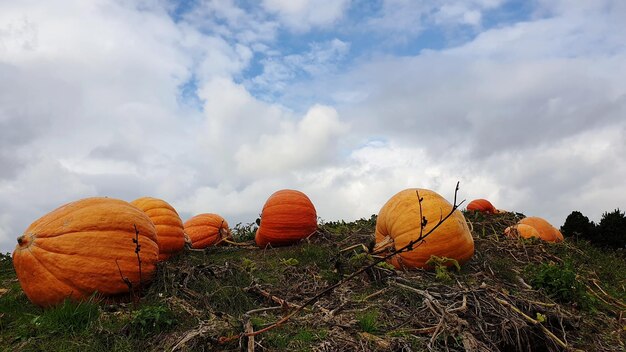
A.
x: 610, y: 232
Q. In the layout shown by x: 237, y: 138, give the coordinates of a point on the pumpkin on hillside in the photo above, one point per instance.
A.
x: 399, y: 222
x: 85, y: 247
x: 546, y: 231
x: 288, y: 216
x: 481, y: 205
x: 169, y: 226
x: 206, y: 230
x: 521, y: 230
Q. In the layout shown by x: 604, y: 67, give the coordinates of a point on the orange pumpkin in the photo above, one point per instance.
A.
x: 521, y: 230
x: 547, y: 232
x: 398, y: 224
x: 206, y: 229
x: 169, y: 226
x: 288, y: 216
x: 482, y: 205
x: 85, y: 247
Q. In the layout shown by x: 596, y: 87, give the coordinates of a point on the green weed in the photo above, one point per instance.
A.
x: 368, y: 321
x: 441, y: 265
x: 243, y: 233
x: 560, y: 282
x: 152, y: 319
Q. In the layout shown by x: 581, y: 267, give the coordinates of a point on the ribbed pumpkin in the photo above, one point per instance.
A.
x: 521, y: 230
x: 169, y: 226
x: 398, y: 224
x: 547, y: 232
x: 482, y: 205
x: 81, y: 247
x: 206, y: 229
x: 288, y: 216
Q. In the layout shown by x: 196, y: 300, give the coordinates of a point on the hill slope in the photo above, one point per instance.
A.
x: 514, y: 295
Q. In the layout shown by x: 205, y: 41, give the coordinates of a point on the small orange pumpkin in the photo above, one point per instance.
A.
x: 206, y: 229
x: 521, y: 230
x: 288, y: 216
x: 85, y: 247
x: 482, y: 205
x: 546, y: 231
x: 169, y: 226
x: 399, y: 222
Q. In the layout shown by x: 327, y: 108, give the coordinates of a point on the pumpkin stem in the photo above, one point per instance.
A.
x: 20, y: 240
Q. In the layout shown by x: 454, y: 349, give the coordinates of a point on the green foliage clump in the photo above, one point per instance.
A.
x: 289, y: 261
x: 560, y: 282
x: 242, y: 233
x: 152, y: 319
x: 360, y: 259
x: 368, y: 321
x: 310, y: 254
x: 70, y: 316
x: 441, y: 265
x: 67, y: 319
x: 248, y: 265
x: 386, y: 265
x: 343, y: 227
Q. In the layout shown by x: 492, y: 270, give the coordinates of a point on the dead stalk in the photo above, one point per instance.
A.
x: 137, y: 250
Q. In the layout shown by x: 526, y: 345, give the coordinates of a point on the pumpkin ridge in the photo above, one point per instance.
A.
x: 116, y: 283
x: 72, y: 204
x: 172, y: 210
x: 64, y: 280
x: 55, y: 285
x: 86, y: 229
x: 92, y: 255
x: 154, y: 204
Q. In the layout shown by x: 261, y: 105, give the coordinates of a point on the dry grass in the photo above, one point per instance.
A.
x: 491, y: 304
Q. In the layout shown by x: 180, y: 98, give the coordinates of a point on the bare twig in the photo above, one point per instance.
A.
x: 549, y: 333
x: 137, y: 250
x: 373, y: 294
x: 243, y: 244
x: 200, y: 330
x: 249, y: 330
x: 282, y: 302
x: 261, y: 310
x: 126, y: 280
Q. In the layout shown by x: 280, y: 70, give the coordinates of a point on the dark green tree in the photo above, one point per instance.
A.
x: 579, y: 226
x: 612, y: 230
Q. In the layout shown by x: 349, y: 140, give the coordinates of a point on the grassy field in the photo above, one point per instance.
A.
x: 514, y: 295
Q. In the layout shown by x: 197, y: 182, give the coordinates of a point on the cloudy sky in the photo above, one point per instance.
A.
x: 214, y: 105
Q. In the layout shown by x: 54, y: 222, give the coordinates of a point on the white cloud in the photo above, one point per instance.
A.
x: 458, y: 13
x: 301, y: 15
x: 7, y: 233
x: 43, y: 185
x: 226, y: 19
x: 308, y: 143
x: 408, y: 18
x: 281, y: 70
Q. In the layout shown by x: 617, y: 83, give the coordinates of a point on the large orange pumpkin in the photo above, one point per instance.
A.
x: 169, y: 226
x: 399, y: 222
x: 85, y: 247
x: 482, y: 205
x: 521, y: 230
x: 206, y: 229
x: 547, y: 232
x: 288, y: 216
